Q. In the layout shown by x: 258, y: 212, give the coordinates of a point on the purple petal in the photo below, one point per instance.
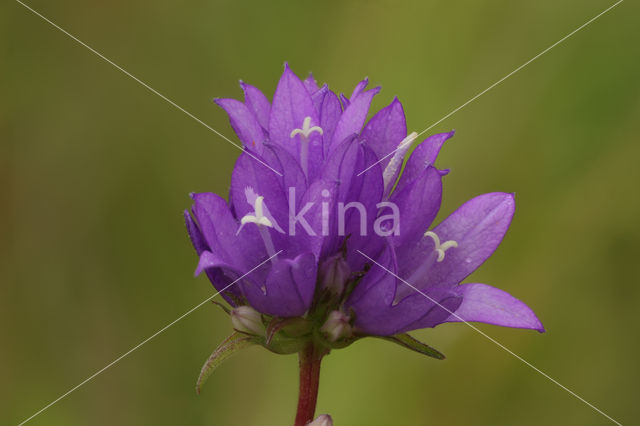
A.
x: 367, y: 190
x: 249, y: 173
x: 419, y: 204
x: 196, y: 237
x: 218, y: 226
x: 292, y: 174
x: 307, y: 215
x: 289, y: 287
x: 317, y: 98
x: 222, y: 275
x: 352, y: 118
x: 344, y: 101
x: 414, y: 312
x: 375, y: 312
x: 483, y: 303
x: 310, y: 84
x: 291, y: 105
x: 431, y: 307
x: 377, y: 288
x: 478, y: 227
x: 244, y: 123
x: 386, y: 130
x: 330, y: 113
x: 209, y: 260
x: 216, y: 222
x: 258, y: 103
x: 422, y: 157
x: 341, y: 166
x: 358, y: 89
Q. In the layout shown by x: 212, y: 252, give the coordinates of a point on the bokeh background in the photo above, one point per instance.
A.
x: 95, y: 172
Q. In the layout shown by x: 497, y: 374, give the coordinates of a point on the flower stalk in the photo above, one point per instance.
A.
x: 309, y: 360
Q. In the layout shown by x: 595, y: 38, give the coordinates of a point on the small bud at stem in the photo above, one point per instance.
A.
x: 322, y: 420
x: 334, y: 274
x: 247, y: 320
x: 336, y: 326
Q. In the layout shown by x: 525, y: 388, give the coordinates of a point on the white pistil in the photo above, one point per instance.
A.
x: 261, y: 221
x: 258, y: 216
x: 304, y: 133
x: 440, y: 248
x: 420, y: 273
x: 391, y: 171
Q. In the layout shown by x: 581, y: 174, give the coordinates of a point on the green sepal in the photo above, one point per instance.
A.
x: 289, y: 327
x: 406, y: 341
x: 222, y: 306
x: 228, y: 347
x: 286, y: 335
x: 284, y: 345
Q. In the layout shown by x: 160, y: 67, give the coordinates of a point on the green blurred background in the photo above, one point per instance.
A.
x: 95, y: 173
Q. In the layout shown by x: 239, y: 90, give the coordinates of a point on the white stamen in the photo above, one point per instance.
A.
x: 306, y: 129
x: 421, y: 272
x: 391, y: 171
x: 304, y: 133
x: 440, y: 248
x: 258, y: 217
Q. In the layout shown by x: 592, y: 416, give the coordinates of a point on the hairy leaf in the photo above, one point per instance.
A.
x: 406, y: 341
x: 228, y: 347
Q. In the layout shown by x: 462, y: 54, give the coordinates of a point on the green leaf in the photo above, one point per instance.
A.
x: 228, y: 347
x: 222, y: 306
x: 406, y: 341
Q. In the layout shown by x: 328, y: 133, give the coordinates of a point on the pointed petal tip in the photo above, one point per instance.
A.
x: 204, y: 262
x: 503, y: 197
x: 490, y: 305
x: 535, y: 323
x: 396, y: 101
x: 511, y: 198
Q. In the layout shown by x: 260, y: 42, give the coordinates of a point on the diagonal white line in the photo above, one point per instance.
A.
x: 143, y: 342
x: 501, y: 80
x: 496, y: 342
x: 146, y: 86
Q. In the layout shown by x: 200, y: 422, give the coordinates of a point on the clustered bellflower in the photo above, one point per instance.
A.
x: 327, y: 233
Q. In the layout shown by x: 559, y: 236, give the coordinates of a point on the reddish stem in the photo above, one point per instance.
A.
x: 310, y: 360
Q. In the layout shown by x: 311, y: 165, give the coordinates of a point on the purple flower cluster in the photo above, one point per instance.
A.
x: 303, y: 161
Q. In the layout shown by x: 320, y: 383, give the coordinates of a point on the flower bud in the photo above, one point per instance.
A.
x: 247, y: 320
x: 334, y: 274
x: 336, y: 326
x: 322, y: 420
